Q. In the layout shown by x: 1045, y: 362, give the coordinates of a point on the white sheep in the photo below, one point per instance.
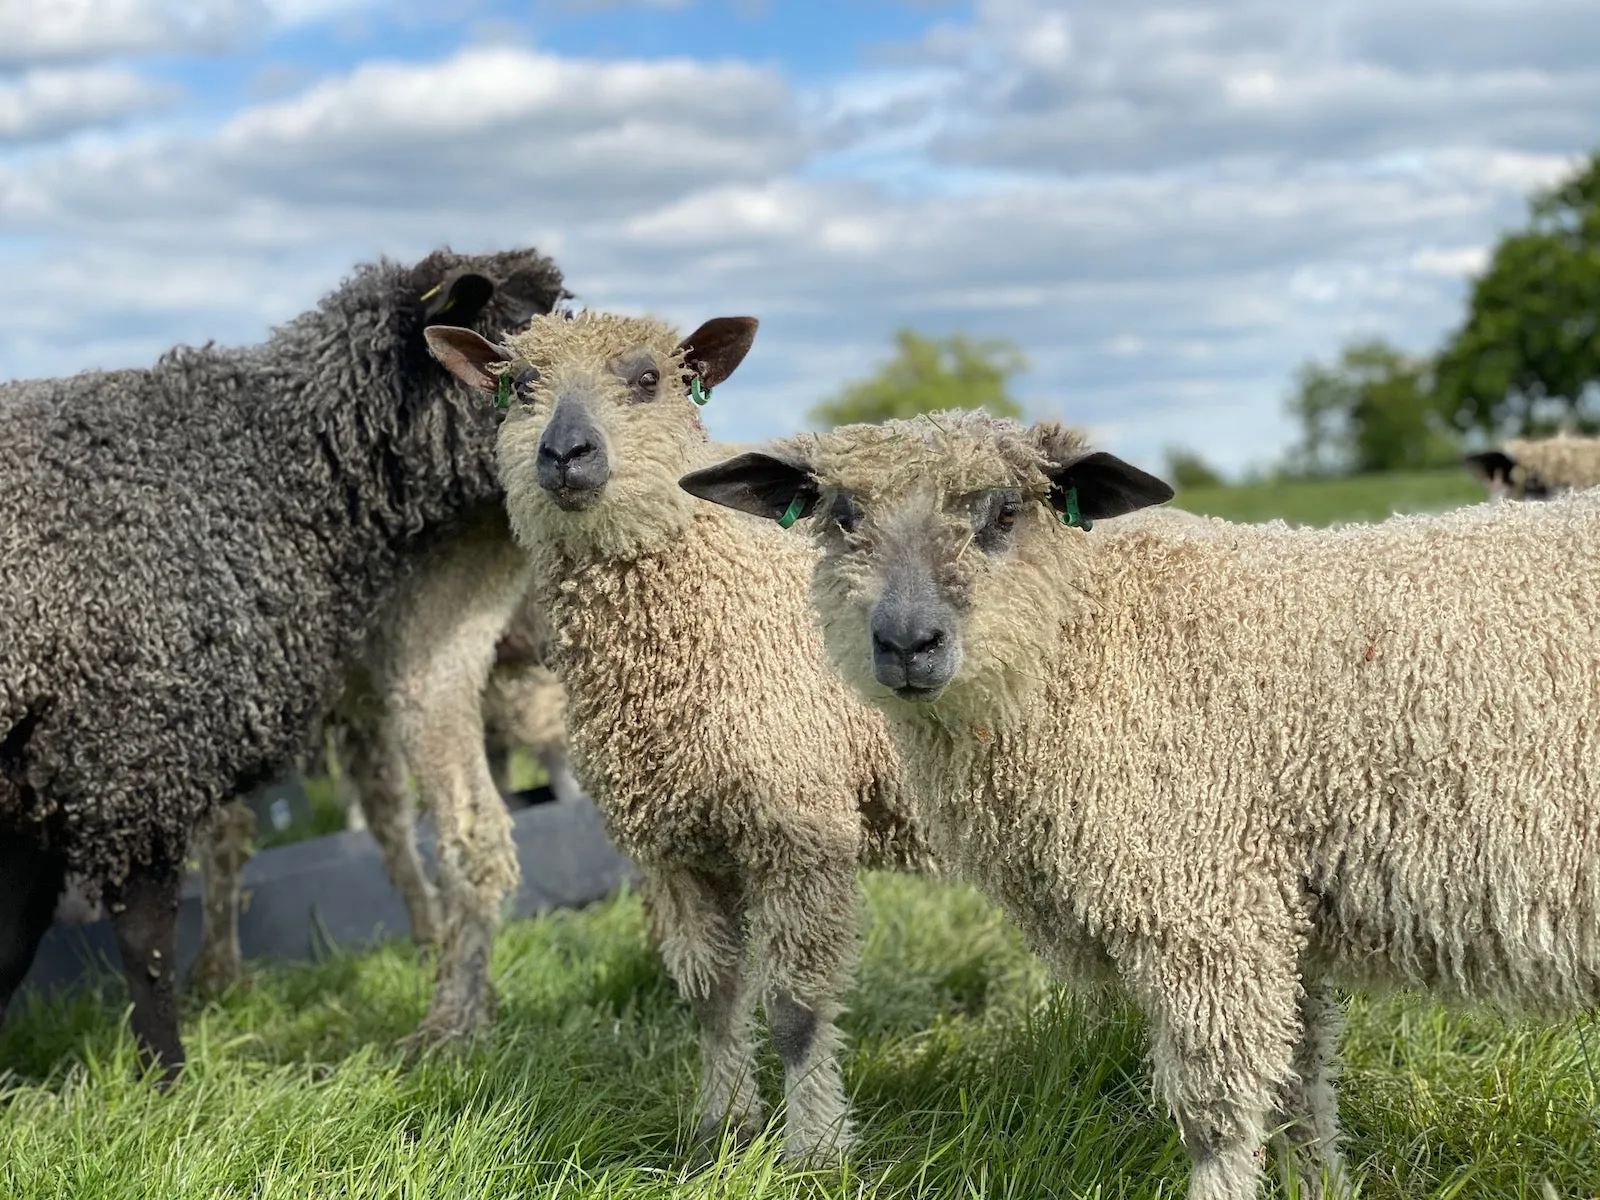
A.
x: 1537, y: 468
x: 735, y: 769
x: 1235, y: 770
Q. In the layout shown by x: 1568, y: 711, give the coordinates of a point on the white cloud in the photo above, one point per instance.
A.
x: 1167, y: 209
x: 45, y: 103
x: 75, y: 30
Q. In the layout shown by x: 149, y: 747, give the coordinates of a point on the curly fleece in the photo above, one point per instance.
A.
x: 729, y: 762
x: 1238, y: 769
x: 193, y: 552
x: 1563, y: 461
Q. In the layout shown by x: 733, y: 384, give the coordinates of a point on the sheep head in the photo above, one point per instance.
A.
x: 600, y: 423
x: 946, y: 568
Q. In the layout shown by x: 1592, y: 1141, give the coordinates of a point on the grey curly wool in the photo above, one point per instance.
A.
x: 728, y: 761
x: 1234, y: 769
x: 193, y: 555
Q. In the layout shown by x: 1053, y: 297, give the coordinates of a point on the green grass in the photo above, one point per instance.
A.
x: 972, y: 1075
x: 1323, y: 502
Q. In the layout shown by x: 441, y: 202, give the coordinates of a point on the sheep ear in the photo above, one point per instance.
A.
x: 466, y: 355
x: 1105, y: 486
x: 1491, y: 467
x: 757, y: 483
x: 717, y: 347
x: 462, y: 295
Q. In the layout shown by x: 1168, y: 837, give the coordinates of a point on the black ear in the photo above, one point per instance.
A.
x: 462, y: 295
x: 1491, y: 467
x: 466, y: 355
x: 1105, y: 486
x: 756, y: 483
x: 717, y: 347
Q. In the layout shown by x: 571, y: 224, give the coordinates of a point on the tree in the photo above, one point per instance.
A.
x: 1527, y: 358
x: 928, y: 374
x: 1186, y: 470
x: 1372, y: 410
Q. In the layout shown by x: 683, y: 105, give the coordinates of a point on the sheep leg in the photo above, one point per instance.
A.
x: 808, y: 930
x: 224, y: 846
x: 698, y: 921
x: 1224, y: 1025
x: 563, y: 783
x: 144, y: 918
x: 443, y: 653
x: 376, y: 771
x: 1309, y: 1146
x: 31, y: 881
x: 500, y: 767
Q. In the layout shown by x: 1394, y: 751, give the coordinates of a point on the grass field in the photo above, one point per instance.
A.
x: 1323, y: 502
x: 973, y: 1075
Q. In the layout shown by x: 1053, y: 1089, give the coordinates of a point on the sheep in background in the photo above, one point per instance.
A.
x: 1537, y: 468
x: 1235, y: 770
x: 522, y: 705
x: 731, y: 765
x: 254, y: 509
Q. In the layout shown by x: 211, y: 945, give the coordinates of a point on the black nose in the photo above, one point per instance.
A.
x: 913, y: 648
x: 563, y: 458
x: 572, y: 463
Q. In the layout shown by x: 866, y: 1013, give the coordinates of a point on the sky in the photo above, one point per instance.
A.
x: 1167, y: 206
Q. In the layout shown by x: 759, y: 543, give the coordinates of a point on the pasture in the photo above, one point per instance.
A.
x: 973, y: 1074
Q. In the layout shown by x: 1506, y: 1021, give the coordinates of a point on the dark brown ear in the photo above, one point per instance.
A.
x: 756, y: 483
x: 1102, y: 486
x: 466, y: 355
x: 717, y: 347
x: 1491, y: 467
x: 462, y: 296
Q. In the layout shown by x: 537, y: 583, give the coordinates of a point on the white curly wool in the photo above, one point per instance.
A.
x: 1237, y: 769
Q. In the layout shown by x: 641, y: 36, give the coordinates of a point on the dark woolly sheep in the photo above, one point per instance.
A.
x: 193, y: 555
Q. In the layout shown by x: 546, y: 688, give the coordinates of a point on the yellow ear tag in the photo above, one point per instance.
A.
x: 431, y: 291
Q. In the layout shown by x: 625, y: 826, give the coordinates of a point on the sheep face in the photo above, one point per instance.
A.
x: 946, y: 570
x: 1506, y: 478
x: 600, y: 424
x: 486, y: 292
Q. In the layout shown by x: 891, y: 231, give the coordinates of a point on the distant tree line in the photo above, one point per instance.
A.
x: 1525, y: 360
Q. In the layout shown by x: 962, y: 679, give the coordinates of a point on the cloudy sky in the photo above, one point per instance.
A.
x: 1167, y: 205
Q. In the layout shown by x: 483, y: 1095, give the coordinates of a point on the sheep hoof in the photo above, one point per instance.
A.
x: 828, y: 1150
x: 213, y: 976
x: 708, y: 1143
x: 447, y: 1027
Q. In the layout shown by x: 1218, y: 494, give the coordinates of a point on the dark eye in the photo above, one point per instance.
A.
x: 648, y: 380
x: 524, y: 380
x: 844, y: 513
x: 997, y: 520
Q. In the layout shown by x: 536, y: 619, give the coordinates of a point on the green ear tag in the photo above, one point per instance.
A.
x: 699, y: 394
x: 1072, y: 516
x: 502, y: 390
x: 792, y: 513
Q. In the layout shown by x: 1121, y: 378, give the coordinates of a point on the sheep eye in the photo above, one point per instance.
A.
x: 998, y: 520
x: 523, y: 381
x: 844, y: 513
x: 648, y: 380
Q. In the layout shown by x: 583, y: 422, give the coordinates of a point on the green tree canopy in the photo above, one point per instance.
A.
x: 927, y: 374
x: 1186, y: 470
x: 1527, y: 358
x: 1372, y: 410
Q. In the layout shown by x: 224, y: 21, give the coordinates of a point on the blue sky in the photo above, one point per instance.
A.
x: 1168, y: 206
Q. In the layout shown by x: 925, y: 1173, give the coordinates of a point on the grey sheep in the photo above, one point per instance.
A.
x: 191, y: 557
